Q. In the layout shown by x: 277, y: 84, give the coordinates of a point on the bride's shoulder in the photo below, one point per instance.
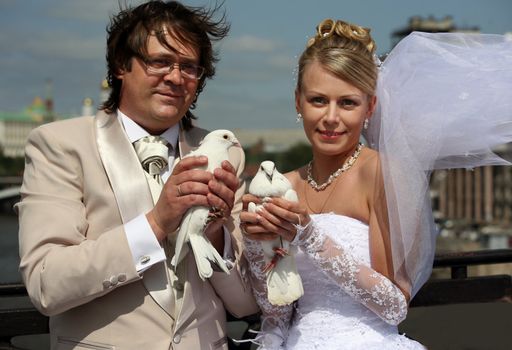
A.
x: 369, y: 154
x: 369, y: 160
x: 370, y: 171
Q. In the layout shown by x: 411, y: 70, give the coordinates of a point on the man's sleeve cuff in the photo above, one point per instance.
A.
x: 146, y: 251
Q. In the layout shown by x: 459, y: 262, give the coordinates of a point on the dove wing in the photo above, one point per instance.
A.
x: 196, y: 219
x: 181, y: 249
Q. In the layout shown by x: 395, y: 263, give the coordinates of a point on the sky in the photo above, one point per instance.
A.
x: 64, y: 41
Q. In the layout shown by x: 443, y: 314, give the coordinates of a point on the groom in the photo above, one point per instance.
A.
x: 96, y: 237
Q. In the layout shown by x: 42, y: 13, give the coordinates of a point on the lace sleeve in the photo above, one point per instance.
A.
x: 361, y: 282
x: 275, y: 320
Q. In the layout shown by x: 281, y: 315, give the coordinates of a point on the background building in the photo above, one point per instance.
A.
x: 430, y: 25
x: 475, y: 204
x: 15, y: 127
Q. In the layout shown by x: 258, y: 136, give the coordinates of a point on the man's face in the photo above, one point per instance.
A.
x: 157, y: 102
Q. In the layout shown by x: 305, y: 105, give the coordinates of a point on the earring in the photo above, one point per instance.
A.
x: 365, y: 124
x: 299, y: 118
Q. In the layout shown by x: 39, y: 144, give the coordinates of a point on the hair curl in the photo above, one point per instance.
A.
x: 129, y: 31
x: 344, y: 49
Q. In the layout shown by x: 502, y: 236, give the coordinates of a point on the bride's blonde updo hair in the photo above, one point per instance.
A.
x: 345, y: 50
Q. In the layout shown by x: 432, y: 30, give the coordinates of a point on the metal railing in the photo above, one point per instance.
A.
x: 11, y: 180
x: 460, y: 288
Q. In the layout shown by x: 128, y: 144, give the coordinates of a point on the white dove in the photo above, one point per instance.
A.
x: 215, y: 146
x: 283, y: 281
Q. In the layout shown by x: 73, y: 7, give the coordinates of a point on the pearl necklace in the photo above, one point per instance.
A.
x: 346, y: 165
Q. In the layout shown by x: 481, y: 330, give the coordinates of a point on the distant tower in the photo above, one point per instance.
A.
x: 105, y: 91
x: 88, y: 107
x: 48, y: 102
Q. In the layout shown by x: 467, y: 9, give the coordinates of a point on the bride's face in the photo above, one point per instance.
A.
x: 333, y: 111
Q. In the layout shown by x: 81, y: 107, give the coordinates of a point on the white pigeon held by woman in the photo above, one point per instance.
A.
x: 283, y: 281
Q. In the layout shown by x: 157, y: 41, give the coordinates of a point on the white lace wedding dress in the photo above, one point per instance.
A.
x: 346, y: 304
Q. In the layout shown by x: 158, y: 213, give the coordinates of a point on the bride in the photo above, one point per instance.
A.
x: 363, y: 222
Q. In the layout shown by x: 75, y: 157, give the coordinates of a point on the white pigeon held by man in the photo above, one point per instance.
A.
x: 284, y: 284
x: 215, y: 146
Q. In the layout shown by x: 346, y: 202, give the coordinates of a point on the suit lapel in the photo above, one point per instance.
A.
x: 123, y: 167
x: 132, y: 193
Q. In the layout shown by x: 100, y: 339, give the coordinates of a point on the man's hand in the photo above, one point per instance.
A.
x: 185, y: 188
x: 221, y: 199
x: 188, y: 187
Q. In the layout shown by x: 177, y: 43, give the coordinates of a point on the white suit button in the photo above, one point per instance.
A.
x: 121, y: 277
x: 177, y: 338
x: 113, y: 280
x: 106, y: 284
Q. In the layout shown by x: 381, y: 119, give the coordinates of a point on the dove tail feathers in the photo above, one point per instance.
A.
x: 284, y: 283
x: 205, y: 254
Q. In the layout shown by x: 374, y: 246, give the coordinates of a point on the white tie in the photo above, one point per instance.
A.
x: 153, y: 153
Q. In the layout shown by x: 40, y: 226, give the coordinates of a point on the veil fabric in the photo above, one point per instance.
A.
x: 444, y: 101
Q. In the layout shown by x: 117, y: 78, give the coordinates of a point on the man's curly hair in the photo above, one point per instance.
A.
x: 129, y: 32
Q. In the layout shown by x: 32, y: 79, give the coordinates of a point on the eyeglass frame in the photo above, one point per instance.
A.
x: 170, y: 67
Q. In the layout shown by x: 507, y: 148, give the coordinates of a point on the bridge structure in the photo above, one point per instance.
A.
x: 490, y: 295
x: 10, y: 192
x: 10, y: 180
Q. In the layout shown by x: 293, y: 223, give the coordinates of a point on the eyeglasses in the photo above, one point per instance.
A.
x: 163, y: 66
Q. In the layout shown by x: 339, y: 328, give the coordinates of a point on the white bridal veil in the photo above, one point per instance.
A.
x: 444, y: 101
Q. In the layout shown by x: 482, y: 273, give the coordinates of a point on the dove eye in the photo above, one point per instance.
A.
x: 225, y: 137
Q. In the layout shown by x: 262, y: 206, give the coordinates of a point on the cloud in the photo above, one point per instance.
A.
x: 90, y: 10
x: 55, y: 44
x: 66, y: 45
x: 7, y: 4
x: 60, y: 29
x: 249, y: 43
x: 287, y: 62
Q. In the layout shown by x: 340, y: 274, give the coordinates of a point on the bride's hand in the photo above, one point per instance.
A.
x: 250, y: 222
x: 281, y: 217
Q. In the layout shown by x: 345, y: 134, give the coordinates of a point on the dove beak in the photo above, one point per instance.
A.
x: 236, y: 143
x: 269, y: 175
